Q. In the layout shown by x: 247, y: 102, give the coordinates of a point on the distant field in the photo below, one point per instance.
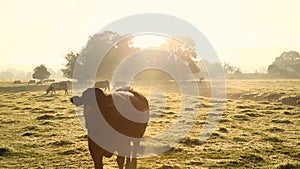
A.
x: 259, y: 128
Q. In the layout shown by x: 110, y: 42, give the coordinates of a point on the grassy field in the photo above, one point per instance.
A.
x: 259, y: 128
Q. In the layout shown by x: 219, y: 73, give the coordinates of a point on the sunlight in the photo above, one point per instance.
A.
x: 148, y: 41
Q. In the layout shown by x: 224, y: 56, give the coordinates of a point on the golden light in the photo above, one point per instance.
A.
x: 148, y: 41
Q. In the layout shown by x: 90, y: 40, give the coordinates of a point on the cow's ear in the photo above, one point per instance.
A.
x: 91, y: 96
x: 77, y: 101
x: 99, y: 92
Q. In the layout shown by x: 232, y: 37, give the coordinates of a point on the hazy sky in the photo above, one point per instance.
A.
x: 245, y: 33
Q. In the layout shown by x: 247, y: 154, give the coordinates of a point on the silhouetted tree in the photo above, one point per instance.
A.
x: 238, y: 72
x: 103, y: 53
x: 228, y: 69
x: 287, y: 59
x: 288, y: 65
x: 41, y: 73
x: 184, y: 48
x: 71, y: 58
x: 273, y: 69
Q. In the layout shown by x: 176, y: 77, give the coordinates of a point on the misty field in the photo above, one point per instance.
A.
x: 259, y: 128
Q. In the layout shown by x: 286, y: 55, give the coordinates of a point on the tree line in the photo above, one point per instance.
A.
x: 179, y: 50
x: 120, y: 47
x: 287, y: 65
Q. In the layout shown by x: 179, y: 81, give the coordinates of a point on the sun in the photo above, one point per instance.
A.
x: 148, y: 41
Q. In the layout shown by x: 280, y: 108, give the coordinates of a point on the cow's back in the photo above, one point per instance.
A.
x: 121, y: 123
x: 60, y: 86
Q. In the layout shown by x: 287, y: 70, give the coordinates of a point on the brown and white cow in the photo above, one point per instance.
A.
x: 104, y: 84
x: 58, y: 86
x: 113, y: 122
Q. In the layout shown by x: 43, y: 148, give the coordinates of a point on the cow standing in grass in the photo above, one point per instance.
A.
x: 31, y: 82
x: 104, y: 84
x: 109, y: 125
x: 17, y: 82
x: 58, y: 86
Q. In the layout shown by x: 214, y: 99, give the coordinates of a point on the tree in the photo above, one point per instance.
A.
x: 238, y: 72
x: 289, y: 62
x: 273, y: 69
x: 184, y: 48
x: 40, y: 72
x: 287, y: 59
x: 228, y: 69
x: 71, y: 58
x: 286, y: 65
x: 103, y: 53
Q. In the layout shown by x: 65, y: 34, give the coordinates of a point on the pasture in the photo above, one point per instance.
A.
x: 259, y: 128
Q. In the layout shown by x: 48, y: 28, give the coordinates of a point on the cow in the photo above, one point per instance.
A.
x: 48, y: 80
x: 17, y: 82
x: 31, y: 82
x: 58, y: 86
x: 112, y: 107
x: 104, y: 84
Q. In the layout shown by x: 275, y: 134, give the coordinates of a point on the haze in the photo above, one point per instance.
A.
x: 247, y: 34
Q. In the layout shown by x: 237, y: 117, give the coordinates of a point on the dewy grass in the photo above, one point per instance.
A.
x: 39, y: 131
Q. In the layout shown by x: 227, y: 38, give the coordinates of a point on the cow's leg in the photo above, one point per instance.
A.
x: 97, y: 158
x: 128, y: 163
x: 98, y: 163
x: 126, y: 151
x: 120, y: 161
x: 131, y: 160
x: 136, y: 147
x: 96, y: 154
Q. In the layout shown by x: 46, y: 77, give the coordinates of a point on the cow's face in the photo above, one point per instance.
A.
x: 49, y: 90
x: 89, y: 97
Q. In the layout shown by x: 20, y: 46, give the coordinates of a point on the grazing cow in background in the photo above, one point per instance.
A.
x: 103, y: 128
x: 58, y: 86
x: 40, y: 82
x: 31, y: 82
x: 104, y: 84
x: 17, y: 82
x: 49, y: 80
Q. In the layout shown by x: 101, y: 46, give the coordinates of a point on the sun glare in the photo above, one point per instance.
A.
x: 148, y: 41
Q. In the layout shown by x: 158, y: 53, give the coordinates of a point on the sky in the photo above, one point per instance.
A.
x: 246, y: 34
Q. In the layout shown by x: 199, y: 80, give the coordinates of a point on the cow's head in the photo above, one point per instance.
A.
x: 89, y: 97
x: 49, y: 89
